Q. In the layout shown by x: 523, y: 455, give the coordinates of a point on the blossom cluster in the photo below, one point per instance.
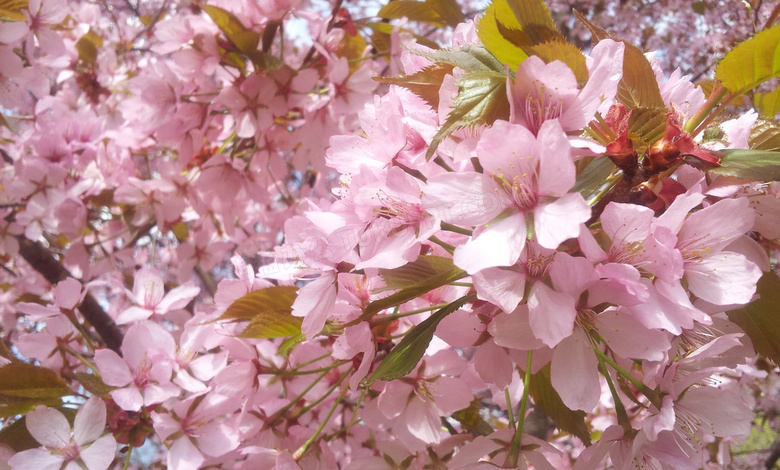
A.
x: 547, y: 265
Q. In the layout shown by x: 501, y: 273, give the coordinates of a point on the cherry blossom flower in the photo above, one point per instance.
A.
x: 144, y: 371
x: 418, y: 403
x: 64, y: 447
x: 149, y: 295
x: 542, y: 92
x: 525, y: 184
x: 196, y: 429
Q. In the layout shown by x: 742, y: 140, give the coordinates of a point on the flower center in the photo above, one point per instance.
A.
x: 541, y: 107
x: 68, y: 453
x: 520, y: 188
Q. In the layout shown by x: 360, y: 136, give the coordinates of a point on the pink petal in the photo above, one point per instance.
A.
x: 722, y: 411
x: 604, y: 76
x: 394, y: 399
x: 507, y: 149
x: 675, y: 215
x: 165, y: 424
x: 315, y: 303
x: 100, y: 454
x: 452, y: 394
x: 551, y: 314
x: 38, y: 459
x: 129, y: 399
x: 572, y: 274
x: 178, y: 297
x: 465, y: 199
x: 662, y: 421
x: 716, y: 226
x: 514, y: 330
x: 502, y: 287
x: 90, y: 421
x: 133, y: 314
x: 574, y: 373
x: 183, y: 455
x: 493, y: 365
x: 68, y: 293
x: 217, y: 439
x: 723, y: 278
x: 500, y: 244
x: 49, y: 427
x: 461, y: 329
x: 113, y: 369
x: 148, y: 287
x: 423, y: 420
x: 626, y: 223
x: 557, y: 173
x: 560, y: 220
x: 630, y: 339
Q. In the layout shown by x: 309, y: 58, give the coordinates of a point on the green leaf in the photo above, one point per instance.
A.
x: 17, y: 437
x: 567, y: 53
x: 481, y: 100
x: 405, y: 356
x: 424, y: 12
x: 387, y: 29
x: 471, y: 419
x: 93, y: 383
x: 269, y: 312
x: 11, y: 10
x: 471, y: 58
x: 699, y: 7
x: 759, y: 165
x: 22, y: 380
x: 768, y: 104
x: 423, y: 271
x: 647, y: 125
x: 88, y: 46
x: 13, y: 406
x: 425, y: 83
x: 494, y: 26
x: 413, y: 279
x: 760, y: 319
x: 244, y: 39
x: 593, y: 176
x: 264, y: 60
x: 638, y: 87
x: 269, y: 33
x: 535, y: 20
x: 433, y: 12
x: 10, y: 123
x: 546, y: 398
x: 287, y: 346
x: 765, y: 136
x: 450, y: 11
x: 751, y: 63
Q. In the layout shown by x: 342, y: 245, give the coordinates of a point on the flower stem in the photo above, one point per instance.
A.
x: 454, y: 228
x: 509, y: 413
x: 606, y: 189
x: 622, y: 415
x: 325, y: 395
x: 302, y: 449
x: 127, y: 457
x: 651, y: 394
x: 705, y: 111
x: 449, y: 248
x: 388, y: 318
x: 514, y: 452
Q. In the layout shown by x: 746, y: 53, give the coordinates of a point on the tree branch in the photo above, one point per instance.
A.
x: 44, y: 262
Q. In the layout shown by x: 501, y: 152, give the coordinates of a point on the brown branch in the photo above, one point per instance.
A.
x: 44, y: 262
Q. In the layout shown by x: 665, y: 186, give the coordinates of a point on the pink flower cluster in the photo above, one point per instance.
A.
x: 535, y: 290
